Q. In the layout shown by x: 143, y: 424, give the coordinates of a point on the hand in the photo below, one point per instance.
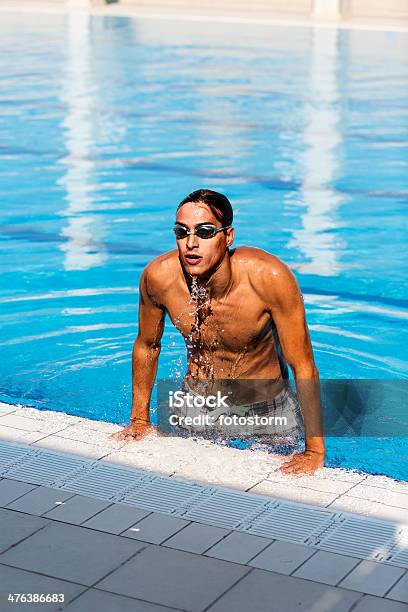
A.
x: 303, y: 463
x: 134, y: 431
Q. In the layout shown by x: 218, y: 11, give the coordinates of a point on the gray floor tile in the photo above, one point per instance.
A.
x: 100, y: 601
x: 174, y: 578
x: 15, y: 526
x: 155, y: 528
x: 368, y: 603
x: 196, y: 538
x: 282, y: 557
x: 12, y: 489
x: 39, y: 500
x: 373, y: 578
x: 238, y: 547
x: 116, y: 518
x: 77, y: 509
x: 14, y: 580
x: 326, y: 567
x: 400, y: 590
x: 262, y: 591
x: 71, y: 553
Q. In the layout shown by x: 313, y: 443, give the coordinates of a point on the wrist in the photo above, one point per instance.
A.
x: 139, y: 420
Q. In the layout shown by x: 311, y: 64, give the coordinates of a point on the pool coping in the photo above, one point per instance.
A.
x: 211, y: 15
x: 199, y: 461
x: 66, y: 470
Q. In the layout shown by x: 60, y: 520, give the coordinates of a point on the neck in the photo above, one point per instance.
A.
x: 217, y: 282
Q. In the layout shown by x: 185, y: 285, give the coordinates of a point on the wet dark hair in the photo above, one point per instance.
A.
x: 217, y: 202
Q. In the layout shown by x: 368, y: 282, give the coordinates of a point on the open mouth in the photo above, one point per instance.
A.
x: 192, y: 259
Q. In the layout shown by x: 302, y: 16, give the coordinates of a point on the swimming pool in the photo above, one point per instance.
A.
x: 107, y: 123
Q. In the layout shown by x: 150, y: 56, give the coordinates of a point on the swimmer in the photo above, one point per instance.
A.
x: 241, y: 313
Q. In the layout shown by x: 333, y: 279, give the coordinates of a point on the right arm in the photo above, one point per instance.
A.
x: 145, y: 355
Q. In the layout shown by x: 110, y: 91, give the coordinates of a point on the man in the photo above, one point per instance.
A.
x: 227, y: 303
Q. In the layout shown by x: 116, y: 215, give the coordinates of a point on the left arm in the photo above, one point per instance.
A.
x: 287, y: 309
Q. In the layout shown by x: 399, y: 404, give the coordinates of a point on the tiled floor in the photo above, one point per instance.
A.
x: 194, y: 568
x: 153, y: 561
x: 103, y: 554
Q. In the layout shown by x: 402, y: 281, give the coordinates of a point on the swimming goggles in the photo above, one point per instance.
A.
x: 202, y: 231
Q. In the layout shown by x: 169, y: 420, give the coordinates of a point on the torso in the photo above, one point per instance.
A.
x: 231, y: 338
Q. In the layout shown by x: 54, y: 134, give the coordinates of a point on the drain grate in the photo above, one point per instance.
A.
x: 226, y: 508
x: 399, y: 551
x: 291, y: 522
x: 11, y: 455
x: 45, y: 468
x: 337, y: 532
x: 163, y: 495
x: 364, y: 538
x: 105, y: 481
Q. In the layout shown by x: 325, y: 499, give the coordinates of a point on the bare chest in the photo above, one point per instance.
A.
x: 232, y: 324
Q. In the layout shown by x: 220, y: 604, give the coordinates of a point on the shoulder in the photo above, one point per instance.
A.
x: 159, y: 274
x: 269, y: 276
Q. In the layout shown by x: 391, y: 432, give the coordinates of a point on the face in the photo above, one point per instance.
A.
x: 201, y: 255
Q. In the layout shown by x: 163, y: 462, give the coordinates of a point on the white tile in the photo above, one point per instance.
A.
x: 138, y: 462
x: 326, y: 485
x: 400, y: 590
x: 326, y: 567
x: 196, y: 538
x: 294, y: 493
x: 238, y: 547
x: 83, y: 433
x: 372, y: 578
x: 60, y: 418
x: 387, y: 483
x: 282, y: 557
x: 6, y: 409
x: 101, y: 426
x: 29, y: 424
x: 10, y: 434
x: 381, y: 495
x: 347, y: 503
x: 74, y: 447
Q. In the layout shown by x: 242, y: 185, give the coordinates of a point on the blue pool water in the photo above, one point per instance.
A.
x: 107, y: 123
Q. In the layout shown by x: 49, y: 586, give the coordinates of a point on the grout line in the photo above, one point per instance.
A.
x: 96, y: 514
x: 141, y: 549
x: 359, y: 561
x: 19, y: 496
x: 355, y: 604
x: 148, y: 544
x: 136, y: 599
x: 395, y: 584
x: 303, y: 563
x: 216, y: 543
x: 234, y: 584
x: 260, y: 551
x: 87, y: 465
x: 29, y: 571
x: 25, y: 538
